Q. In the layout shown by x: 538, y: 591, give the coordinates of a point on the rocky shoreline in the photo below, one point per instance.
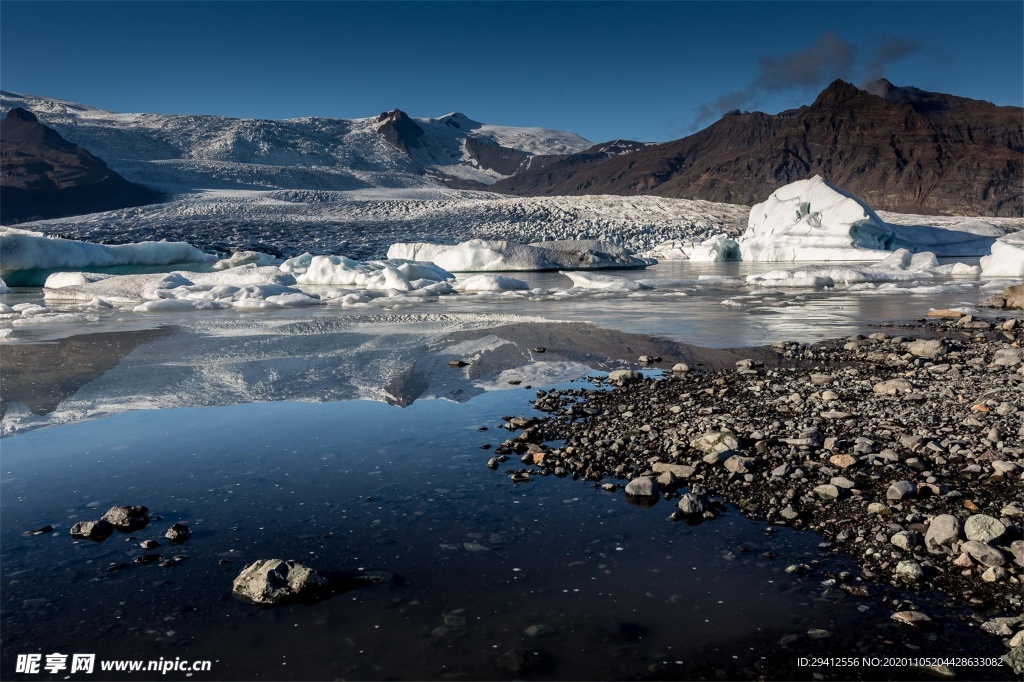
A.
x: 903, y: 449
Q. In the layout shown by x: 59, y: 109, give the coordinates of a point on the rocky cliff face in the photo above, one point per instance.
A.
x: 42, y: 175
x: 899, y: 149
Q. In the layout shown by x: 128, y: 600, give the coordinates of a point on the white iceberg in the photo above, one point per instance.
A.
x: 22, y: 251
x: 716, y: 249
x: 491, y: 283
x: 480, y: 255
x: 402, y: 275
x: 4, y: 289
x: 591, y: 280
x: 240, y: 258
x: 1006, y: 258
x: 898, y: 266
x: 811, y: 220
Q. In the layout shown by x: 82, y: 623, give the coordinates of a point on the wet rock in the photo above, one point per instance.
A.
x: 818, y: 633
x: 519, y: 660
x: 457, y: 363
x: 39, y: 531
x: 692, y: 504
x: 644, y: 486
x: 900, y: 490
x: 943, y: 531
x: 273, y: 581
x: 909, y: 572
x: 149, y: 544
x: 624, y: 376
x: 146, y: 558
x: 984, y: 554
x: 97, y: 531
x: 178, y: 533
x: 539, y: 630
x: 912, y: 618
x: 983, y: 528
x: 127, y: 518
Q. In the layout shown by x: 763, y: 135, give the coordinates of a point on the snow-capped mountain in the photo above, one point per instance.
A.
x: 393, y: 150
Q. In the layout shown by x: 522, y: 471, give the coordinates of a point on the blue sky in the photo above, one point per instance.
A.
x: 650, y: 71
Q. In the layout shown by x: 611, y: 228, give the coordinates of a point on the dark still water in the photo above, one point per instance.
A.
x: 592, y: 586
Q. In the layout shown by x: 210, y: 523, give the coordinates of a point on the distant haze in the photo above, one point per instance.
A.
x: 647, y: 71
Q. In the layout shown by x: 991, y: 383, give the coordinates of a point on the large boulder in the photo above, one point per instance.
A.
x: 273, y: 581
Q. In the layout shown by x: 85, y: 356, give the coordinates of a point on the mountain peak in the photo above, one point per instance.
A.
x: 837, y: 91
x: 24, y: 115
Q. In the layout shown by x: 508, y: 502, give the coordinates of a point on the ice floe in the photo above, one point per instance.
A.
x: 811, y: 220
x: 718, y: 248
x: 397, y: 274
x: 479, y: 255
x: 22, y: 252
x: 591, y: 280
x: 491, y: 283
x: 1006, y: 258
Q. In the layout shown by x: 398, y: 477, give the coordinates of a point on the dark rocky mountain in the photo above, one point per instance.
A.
x: 898, y: 148
x: 396, y: 127
x: 42, y: 175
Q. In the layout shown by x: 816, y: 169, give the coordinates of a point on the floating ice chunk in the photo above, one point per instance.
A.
x: 168, y: 305
x: 479, y: 255
x: 813, y: 220
x: 341, y: 271
x: 590, y: 280
x: 240, y: 258
x: 20, y: 251
x: 812, y: 279
x: 4, y: 289
x: 118, y: 289
x: 715, y: 250
x: 957, y: 269
x: 59, y: 280
x: 496, y: 283
x: 1006, y: 258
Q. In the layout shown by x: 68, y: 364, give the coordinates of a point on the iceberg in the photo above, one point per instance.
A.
x: 590, y: 280
x: 811, y: 220
x: 1006, y: 258
x: 716, y: 249
x: 398, y: 274
x: 23, y: 253
x: 481, y: 255
x: 491, y: 283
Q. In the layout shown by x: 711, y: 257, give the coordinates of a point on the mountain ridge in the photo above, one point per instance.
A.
x: 904, y: 149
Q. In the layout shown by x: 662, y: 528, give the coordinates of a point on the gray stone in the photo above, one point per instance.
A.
x: 519, y: 660
x: 983, y: 528
x: 539, y: 630
x: 906, y: 540
x: 909, y: 572
x: 272, y: 581
x: 927, y: 348
x: 893, y: 386
x: 644, y: 486
x: 128, y: 518
x: 692, y: 504
x: 994, y: 574
x: 178, y: 533
x: 877, y: 508
x: 92, y: 530
x: 1007, y: 357
x: 717, y: 457
x: 1017, y: 550
x: 1015, y: 659
x: 624, y: 376
x: 738, y: 464
x: 984, y: 554
x: 843, y: 482
x: 900, y: 490
x: 681, y: 471
x: 680, y: 368
x: 715, y: 442
x: 827, y: 492
x: 913, y: 618
x: 943, y: 531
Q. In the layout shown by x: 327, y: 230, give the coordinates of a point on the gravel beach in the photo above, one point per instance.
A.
x: 904, y: 449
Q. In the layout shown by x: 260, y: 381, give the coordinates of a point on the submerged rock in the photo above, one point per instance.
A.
x: 178, y: 533
x: 97, y: 531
